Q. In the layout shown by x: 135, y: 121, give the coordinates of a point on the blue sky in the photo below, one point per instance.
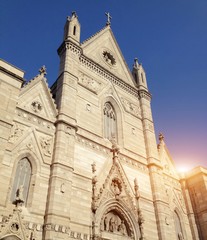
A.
x: 168, y: 37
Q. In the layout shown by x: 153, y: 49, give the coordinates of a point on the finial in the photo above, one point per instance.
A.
x: 136, y: 63
x: 42, y: 70
x: 161, y: 137
x: 74, y: 15
x: 109, y: 17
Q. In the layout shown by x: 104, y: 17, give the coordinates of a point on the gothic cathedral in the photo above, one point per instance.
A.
x: 80, y: 160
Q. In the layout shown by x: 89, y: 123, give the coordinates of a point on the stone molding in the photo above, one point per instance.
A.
x: 144, y: 94
x: 34, y: 119
x: 107, y: 152
x: 96, y: 68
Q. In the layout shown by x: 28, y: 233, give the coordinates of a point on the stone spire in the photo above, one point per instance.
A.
x: 139, y: 75
x: 72, y: 28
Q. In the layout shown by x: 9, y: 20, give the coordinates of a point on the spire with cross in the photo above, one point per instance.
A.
x: 109, y: 17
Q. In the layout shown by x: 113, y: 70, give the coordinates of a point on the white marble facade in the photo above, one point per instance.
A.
x: 80, y: 160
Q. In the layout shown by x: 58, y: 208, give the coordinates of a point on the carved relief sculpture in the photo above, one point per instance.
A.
x: 36, y: 106
x: 113, y: 223
x: 89, y: 83
x: 17, y: 132
x: 131, y: 107
x: 46, y: 146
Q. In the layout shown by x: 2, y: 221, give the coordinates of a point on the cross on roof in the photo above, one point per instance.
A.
x: 109, y: 17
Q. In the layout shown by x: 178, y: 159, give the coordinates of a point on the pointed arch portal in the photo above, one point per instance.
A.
x: 116, y: 221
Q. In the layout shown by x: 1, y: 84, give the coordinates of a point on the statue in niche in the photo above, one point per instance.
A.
x: 112, y: 223
x: 116, y: 187
x: 122, y: 228
x: 106, y: 224
x: 141, y: 223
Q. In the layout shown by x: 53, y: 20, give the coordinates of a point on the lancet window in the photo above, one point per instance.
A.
x: 21, y: 181
x: 110, y: 121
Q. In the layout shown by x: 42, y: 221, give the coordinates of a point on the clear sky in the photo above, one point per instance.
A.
x: 168, y: 37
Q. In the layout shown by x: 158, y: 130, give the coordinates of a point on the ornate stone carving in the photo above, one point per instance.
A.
x: 114, y: 223
x: 14, y: 225
x: 131, y: 107
x: 89, y: 83
x: 109, y: 58
x: 36, y: 106
x: 136, y: 189
x: 141, y: 223
x: 46, y: 144
x: 93, y: 166
x: 116, y: 187
x: 115, y: 149
x: 35, y: 119
x: 17, y: 132
x: 107, y: 75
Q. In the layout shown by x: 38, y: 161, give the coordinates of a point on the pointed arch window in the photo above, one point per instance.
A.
x: 110, y: 121
x: 178, y: 228
x: 74, y: 30
x: 22, y: 179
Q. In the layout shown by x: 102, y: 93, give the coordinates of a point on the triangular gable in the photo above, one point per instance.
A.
x: 14, y: 227
x: 116, y: 186
x: 35, y: 97
x: 29, y: 140
x: 103, y: 49
x: 166, y: 160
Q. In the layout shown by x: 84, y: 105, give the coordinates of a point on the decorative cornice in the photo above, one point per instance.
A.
x: 95, y: 67
x: 70, y: 46
x: 144, y: 94
x: 90, y: 64
x: 34, y: 119
x: 107, y: 152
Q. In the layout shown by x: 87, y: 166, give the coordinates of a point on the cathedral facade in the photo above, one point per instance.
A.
x: 80, y: 160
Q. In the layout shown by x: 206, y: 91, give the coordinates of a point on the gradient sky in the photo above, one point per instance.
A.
x: 168, y: 37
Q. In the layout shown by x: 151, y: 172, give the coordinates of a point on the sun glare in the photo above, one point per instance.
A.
x: 183, y: 169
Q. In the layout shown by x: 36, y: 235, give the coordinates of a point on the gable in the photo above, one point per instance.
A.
x: 167, y: 162
x: 35, y: 97
x: 103, y: 49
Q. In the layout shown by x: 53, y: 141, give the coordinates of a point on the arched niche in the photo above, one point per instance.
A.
x: 116, y: 221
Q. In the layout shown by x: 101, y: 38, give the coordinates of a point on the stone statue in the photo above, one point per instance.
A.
x: 106, y: 224
x: 19, y: 194
x: 122, y: 228
x: 141, y: 223
x: 115, y: 147
x: 111, y: 224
